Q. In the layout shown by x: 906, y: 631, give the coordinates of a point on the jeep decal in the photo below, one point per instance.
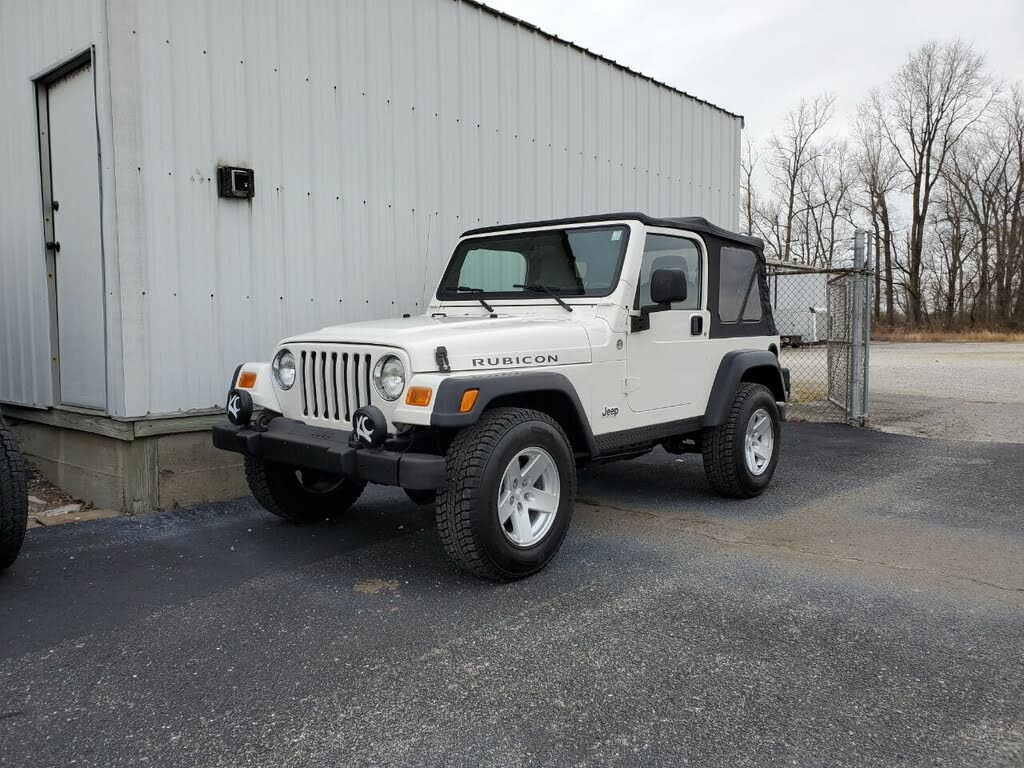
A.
x: 483, y: 362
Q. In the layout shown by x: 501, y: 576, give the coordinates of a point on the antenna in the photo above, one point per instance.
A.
x: 426, y: 265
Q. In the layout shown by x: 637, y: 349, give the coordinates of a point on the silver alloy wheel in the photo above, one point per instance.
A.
x: 528, y: 496
x: 759, y: 442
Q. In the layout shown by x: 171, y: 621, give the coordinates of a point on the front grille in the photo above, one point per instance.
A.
x: 334, y: 383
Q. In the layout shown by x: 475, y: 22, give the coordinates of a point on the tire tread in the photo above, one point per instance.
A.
x: 13, y: 498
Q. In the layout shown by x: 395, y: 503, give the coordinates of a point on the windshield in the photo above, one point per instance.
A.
x: 569, y: 262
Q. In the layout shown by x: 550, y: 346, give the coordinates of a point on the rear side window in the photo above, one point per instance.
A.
x: 738, y: 295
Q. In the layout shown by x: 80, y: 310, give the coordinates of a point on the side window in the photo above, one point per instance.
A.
x: 493, y: 270
x: 738, y: 293
x: 671, y: 252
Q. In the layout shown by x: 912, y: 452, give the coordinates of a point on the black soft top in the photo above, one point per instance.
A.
x: 723, y: 277
x: 690, y: 223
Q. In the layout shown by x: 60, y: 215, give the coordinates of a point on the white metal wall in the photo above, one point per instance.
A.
x: 378, y: 130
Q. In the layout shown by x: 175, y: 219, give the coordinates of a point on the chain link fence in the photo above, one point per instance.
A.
x: 823, y: 317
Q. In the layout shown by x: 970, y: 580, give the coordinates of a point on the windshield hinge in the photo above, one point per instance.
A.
x: 441, y: 358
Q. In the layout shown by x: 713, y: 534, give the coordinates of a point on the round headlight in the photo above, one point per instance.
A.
x: 389, y: 377
x: 284, y: 369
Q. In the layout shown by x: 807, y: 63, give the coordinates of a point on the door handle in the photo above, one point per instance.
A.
x: 696, y: 325
x: 53, y: 246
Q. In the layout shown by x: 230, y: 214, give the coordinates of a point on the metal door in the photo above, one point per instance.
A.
x: 77, y: 248
x: 666, y: 362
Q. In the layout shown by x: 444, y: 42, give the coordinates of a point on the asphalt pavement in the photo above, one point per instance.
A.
x: 868, y: 610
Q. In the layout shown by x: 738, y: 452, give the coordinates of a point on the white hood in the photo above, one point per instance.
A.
x: 473, y: 342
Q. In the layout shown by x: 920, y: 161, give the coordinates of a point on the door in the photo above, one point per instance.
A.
x: 665, y: 361
x: 77, y: 253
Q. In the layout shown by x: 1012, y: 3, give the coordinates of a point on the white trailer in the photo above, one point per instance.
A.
x: 800, y: 303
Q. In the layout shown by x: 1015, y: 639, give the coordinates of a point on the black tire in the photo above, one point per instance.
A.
x: 723, y: 446
x: 13, y: 499
x: 467, y: 507
x: 421, y: 498
x: 299, y: 495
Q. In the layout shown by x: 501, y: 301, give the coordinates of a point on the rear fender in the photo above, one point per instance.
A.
x: 756, y: 365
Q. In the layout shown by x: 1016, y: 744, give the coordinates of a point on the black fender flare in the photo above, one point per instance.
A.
x: 491, y: 387
x: 731, y: 371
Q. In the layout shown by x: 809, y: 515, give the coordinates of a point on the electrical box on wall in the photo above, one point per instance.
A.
x: 235, y: 182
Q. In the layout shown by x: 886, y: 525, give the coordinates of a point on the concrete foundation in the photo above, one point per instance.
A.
x: 131, y: 466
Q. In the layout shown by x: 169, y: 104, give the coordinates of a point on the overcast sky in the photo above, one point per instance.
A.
x: 758, y: 57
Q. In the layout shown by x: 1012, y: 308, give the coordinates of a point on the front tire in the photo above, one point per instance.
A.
x: 13, y: 499
x: 509, y: 499
x: 740, y: 455
x: 299, y: 495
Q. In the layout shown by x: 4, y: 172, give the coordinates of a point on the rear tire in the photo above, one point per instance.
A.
x: 740, y: 455
x: 299, y: 495
x: 13, y: 499
x: 509, y: 498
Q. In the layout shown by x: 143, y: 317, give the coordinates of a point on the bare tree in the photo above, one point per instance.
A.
x: 878, y: 170
x: 1010, y: 236
x: 767, y: 225
x: 973, y: 177
x: 931, y: 102
x: 749, y: 158
x: 954, y: 242
x: 831, y: 181
x: 986, y: 177
x: 789, y: 155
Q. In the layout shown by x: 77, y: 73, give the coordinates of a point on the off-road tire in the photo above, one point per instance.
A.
x: 466, y: 509
x: 277, y: 488
x: 13, y: 499
x: 420, y: 497
x: 722, y: 445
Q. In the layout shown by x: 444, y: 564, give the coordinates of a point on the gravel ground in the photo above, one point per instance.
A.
x: 851, y: 616
x: 965, y: 391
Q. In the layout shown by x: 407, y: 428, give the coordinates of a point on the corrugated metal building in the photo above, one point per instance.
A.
x: 377, y: 130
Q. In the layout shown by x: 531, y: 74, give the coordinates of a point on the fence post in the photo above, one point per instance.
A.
x: 855, y: 401
x: 869, y: 302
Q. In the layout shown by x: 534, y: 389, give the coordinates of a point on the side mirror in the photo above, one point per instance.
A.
x: 668, y: 286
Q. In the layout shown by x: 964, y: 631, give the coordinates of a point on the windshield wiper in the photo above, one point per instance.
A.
x: 538, y: 287
x: 477, y: 294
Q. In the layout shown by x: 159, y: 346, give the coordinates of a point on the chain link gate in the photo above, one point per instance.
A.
x: 824, y: 317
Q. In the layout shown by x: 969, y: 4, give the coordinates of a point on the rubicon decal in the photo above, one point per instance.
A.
x: 504, y: 362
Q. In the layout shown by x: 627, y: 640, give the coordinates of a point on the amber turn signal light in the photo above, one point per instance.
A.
x: 418, y: 396
x: 468, y: 400
x: 247, y: 380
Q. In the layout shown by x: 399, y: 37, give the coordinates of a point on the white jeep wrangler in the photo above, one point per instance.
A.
x: 547, y: 346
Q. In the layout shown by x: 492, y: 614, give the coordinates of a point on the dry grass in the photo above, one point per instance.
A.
x: 896, y: 334
x: 805, y: 392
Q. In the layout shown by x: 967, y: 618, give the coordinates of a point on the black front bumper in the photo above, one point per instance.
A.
x: 287, y: 441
